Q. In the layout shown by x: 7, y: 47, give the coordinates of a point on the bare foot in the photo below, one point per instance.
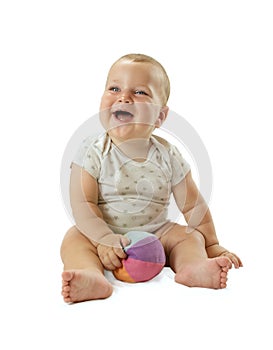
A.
x: 209, y: 273
x: 82, y: 285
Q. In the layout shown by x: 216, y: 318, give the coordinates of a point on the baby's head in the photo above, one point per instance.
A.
x: 164, y: 87
x: 135, y: 97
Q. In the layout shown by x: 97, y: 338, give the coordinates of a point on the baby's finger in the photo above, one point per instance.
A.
x: 124, y: 241
x: 106, y: 262
x: 234, y: 260
x: 114, y: 258
x: 109, y: 261
x: 235, y: 263
x: 239, y: 262
x: 120, y: 253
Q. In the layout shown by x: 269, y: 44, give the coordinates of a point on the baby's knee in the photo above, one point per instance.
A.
x: 196, y: 235
x: 71, y: 234
x: 74, y: 237
x: 179, y: 234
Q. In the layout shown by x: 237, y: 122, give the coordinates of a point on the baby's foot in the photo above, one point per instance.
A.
x: 82, y: 285
x: 209, y: 273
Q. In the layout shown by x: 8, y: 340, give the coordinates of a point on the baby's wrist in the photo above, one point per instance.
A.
x: 215, y: 250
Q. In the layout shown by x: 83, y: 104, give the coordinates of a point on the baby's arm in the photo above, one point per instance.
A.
x: 89, y: 219
x: 198, y: 216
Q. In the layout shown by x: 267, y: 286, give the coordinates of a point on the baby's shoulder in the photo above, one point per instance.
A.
x: 169, y: 149
x: 162, y: 142
x: 96, y: 143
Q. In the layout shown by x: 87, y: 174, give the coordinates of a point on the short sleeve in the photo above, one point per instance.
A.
x: 87, y: 157
x: 180, y: 167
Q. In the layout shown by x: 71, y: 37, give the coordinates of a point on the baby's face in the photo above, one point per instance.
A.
x: 131, y: 106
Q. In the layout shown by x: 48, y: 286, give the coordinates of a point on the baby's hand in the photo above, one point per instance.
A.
x: 111, y: 255
x: 236, y: 261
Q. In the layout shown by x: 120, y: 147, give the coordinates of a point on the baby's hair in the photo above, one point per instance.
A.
x: 138, y: 57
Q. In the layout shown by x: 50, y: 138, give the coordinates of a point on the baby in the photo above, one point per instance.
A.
x: 122, y: 181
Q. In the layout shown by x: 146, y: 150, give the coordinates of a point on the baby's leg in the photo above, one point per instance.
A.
x: 187, y: 256
x: 83, y: 277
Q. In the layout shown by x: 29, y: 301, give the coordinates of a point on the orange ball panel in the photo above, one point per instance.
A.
x: 122, y: 275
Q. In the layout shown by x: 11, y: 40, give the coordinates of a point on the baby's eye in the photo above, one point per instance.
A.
x: 140, y: 92
x: 114, y: 88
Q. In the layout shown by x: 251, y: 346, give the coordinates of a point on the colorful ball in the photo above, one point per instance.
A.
x: 145, y: 258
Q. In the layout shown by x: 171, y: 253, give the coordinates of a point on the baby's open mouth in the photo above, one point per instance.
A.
x: 123, y: 116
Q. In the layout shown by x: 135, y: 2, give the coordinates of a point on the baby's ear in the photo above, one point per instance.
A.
x: 162, y: 116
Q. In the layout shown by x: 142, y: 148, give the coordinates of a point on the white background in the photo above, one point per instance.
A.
x: 54, y: 59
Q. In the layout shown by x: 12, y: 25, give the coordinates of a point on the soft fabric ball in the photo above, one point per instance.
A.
x: 145, y: 258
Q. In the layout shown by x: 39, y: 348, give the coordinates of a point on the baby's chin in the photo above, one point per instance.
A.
x: 123, y: 132
x: 130, y: 131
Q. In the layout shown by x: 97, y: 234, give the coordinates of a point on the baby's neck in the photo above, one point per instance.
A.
x: 136, y: 149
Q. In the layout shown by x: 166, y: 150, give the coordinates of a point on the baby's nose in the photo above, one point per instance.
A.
x: 125, y: 98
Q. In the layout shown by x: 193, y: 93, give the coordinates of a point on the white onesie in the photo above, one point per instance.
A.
x: 132, y: 195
